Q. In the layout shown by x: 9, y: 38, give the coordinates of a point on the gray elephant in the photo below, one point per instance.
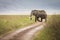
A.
x: 39, y: 14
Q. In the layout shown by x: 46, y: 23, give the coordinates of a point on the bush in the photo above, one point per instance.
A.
x: 9, y: 23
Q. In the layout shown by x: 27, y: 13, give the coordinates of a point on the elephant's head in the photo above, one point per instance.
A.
x: 33, y: 13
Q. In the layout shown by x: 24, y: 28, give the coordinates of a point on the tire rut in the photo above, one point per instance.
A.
x: 20, y: 35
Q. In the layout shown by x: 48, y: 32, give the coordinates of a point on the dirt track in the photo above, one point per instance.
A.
x: 26, y: 33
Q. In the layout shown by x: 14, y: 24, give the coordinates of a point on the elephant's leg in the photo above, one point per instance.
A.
x: 38, y: 19
x: 35, y: 19
x: 41, y: 20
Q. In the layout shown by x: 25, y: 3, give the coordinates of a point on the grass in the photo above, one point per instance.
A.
x: 13, y: 22
x: 51, y: 30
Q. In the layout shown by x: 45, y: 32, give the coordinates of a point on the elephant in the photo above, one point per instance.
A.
x: 38, y: 14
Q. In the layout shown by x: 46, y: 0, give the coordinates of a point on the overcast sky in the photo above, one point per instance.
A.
x: 25, y: 6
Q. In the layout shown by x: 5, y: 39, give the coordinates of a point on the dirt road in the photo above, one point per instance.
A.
x: 26, y: 33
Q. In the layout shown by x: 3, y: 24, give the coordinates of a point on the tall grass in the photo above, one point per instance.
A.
x: 13, y: 22
x: 51, y: 30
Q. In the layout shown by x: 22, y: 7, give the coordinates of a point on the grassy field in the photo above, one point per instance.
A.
x: 13, y: 22
x: 51, y: 30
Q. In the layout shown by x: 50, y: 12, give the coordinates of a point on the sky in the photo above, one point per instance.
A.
x: 26, y: 6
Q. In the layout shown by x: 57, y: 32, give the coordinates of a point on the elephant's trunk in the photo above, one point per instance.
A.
x: 31, y: 16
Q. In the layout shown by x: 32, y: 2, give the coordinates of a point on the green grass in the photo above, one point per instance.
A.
x: 51, y: 30
x: 13, y: 22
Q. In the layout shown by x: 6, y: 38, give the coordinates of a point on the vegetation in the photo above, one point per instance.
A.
x: 13, y: 22
x: 51, y: 30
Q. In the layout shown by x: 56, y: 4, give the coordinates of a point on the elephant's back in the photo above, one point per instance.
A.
x: 42, y: 14
x: 38, y: 13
